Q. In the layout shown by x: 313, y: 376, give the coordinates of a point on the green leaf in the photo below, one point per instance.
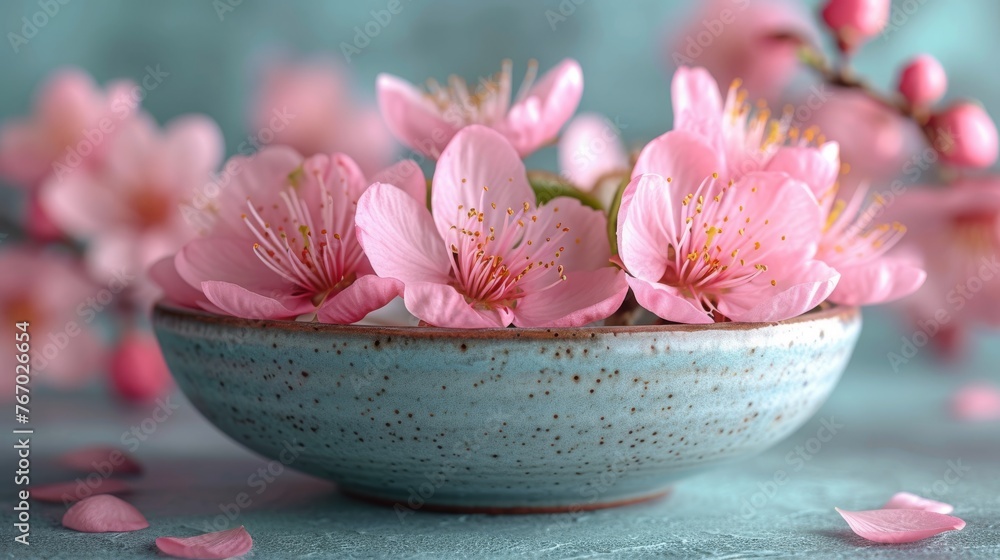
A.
x: 616, y: 204
x: 548, y: 186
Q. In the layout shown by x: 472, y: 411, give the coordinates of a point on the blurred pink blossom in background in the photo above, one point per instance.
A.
x: 323, y: 114
x: 52, y: 293
x: 127, y: 208
x: 754, y: 41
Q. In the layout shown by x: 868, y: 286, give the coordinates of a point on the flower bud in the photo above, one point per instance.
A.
x: 964, y: 135
x: 138, y: 372
x: 923, y: 81
x: 854, y: 21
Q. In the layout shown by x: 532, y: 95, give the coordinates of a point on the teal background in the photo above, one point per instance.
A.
x: 213, y: 62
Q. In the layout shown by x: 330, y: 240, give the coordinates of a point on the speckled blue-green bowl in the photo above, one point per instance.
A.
x: 506, y: 419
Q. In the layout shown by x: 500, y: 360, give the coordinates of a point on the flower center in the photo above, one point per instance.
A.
x: 720, y: 246
x: 487, y: 103
x: 495, y: 265
x: 319, y: 261
x: 150, y: 207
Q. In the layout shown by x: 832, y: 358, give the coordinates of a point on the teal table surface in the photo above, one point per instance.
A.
x: 881, y: 432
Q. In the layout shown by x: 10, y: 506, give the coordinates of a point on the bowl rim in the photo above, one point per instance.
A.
x: 163, y: 308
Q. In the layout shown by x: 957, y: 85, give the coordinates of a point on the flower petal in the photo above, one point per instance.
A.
x: 477, y: 159
x: 193, y: 147
x: 81, y: 206
x: 697, y: 104
x: 67, y: 492
x: 586, y: 242
x: 816, y: 167
x: 102, y: 459
x: 590, y: 149
x: 412, y: 118
x: 259, y: 177
x: 407, y: 176
x: 208, y: 546
x: 648, y: 225
x: 906, y: 500
x: 666, y: 302
x: 364, y: 295
x: 551, y: 102
x: 684, y: 157
x: 899, y: 525
x: 228, y: 259
x: 238, y: 301
x: 806, y: 286
x: 175, y: 289
x: 441, y: 305
x: 976, y: 402
x: 877, y: 282
x: 399, y: 237
x: 103, y: 514
x: 584, y: 297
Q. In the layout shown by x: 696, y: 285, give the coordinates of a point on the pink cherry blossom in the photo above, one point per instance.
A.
x: 283, y: 243
x: 956, y: 232
x: 127, y: 209
x: 489, y: 256
x: 755, y: 41
x: 51, y: 293
x: 592, y: 156
x: 747, y: 142
x: 427, y: 120
x: 876, y: 142
x: 700, y: 248
x: 72, y: 117
x: 310, y: 106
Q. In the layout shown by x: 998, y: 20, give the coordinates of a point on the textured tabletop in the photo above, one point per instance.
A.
x: 892, y: 433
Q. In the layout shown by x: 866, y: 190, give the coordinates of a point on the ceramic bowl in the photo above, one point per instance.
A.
x: 506, y: 420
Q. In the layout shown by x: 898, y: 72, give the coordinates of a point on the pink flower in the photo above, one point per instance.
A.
x: 489, y: 256
x: 754, y: 41
x: 71, y: 116
x: 427, y: 121
x: 284, y: 242
x: 310, y: 107
x: 956, y: 231
x: 700, y: 248
x: 877, y: 143
x: 748, y: 142
x: 592, y: 156
x: 127, y: 209
x: 57, y: 300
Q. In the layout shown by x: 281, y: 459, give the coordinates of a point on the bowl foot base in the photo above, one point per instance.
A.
x: 507, y: 510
